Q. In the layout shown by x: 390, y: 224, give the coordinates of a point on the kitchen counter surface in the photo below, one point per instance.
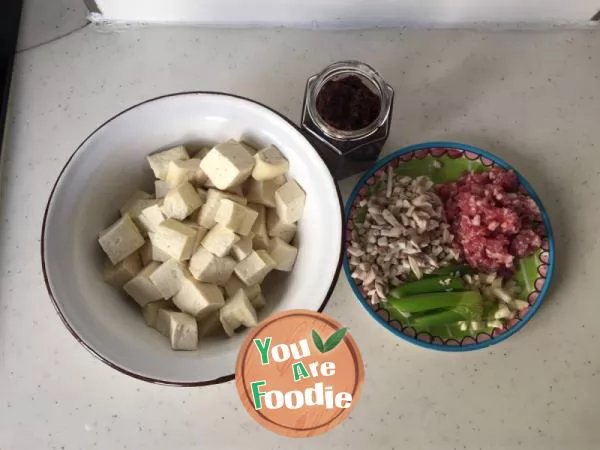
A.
x: 530, y: 97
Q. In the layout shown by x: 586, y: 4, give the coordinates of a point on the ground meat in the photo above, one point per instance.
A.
x: 492, y: 221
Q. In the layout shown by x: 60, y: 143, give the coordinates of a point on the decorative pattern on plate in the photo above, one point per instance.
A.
x: 533, y: 274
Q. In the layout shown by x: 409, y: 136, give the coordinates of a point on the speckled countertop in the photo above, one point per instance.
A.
x: 531, y: 97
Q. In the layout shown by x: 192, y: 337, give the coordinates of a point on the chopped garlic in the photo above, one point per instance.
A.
x: 495, y: 324
x: 503, y: 313
x: 519, y: 304
x: 502, y: 295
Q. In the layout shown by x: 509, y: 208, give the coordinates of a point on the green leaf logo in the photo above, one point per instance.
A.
x: 331, y: 342
x: 317, y: 340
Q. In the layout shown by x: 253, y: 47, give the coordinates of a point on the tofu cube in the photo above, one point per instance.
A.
x: 236, y: 312
x: 289, y: 202
x: 159, y: 162
x: 258, y: 301
x: 263, y: 191
x: 260, y: 241
x: 200, y: 152
x: 198, y: 299
x: 119, y: 274
x: 234, y: 284
x: 168, y: 277
x: 188, y: 170
x: 283, y: 254
x: 236, y: 217
x: 181, y: 201
x: 200, y: 234
x: 227, y: 164
x: 150, y: 311
x: 250, y: 149
x: 146, y: 253
x: 219, y: 240
x: 203, y: 194
x: 180, y: 328
x: 137, y: 195
x: 269, y: 163
x: 209, y: 268
x: 209, y: 210
x: 277, y: 228
x: 210, y: 325
x: 141, y: 288
x: 236, y: 190
x: 154, y: 253
x: 175, y: 239
x: 161, y: 188
x: 255, y: 267
x: 150, y: 218
x: 242, y: 248
x: 136, y: 208
x: 121, y: 239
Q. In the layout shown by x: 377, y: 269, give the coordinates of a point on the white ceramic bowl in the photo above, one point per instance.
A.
x: 109, y: 165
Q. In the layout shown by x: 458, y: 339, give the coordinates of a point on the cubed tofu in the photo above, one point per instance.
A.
x: 161, y: 188
x: 283, y: 254
x: 234, y: 283
x: 237, y: 312
x: 258, y: 301
x: 146, y: 253
x: 141, y: 288
x: 201, y: 152
x: 209, y: 268
x: 150, y: 218
x: 175, y: 239
x: 236, y: 190
x: 228, y: 164
x: 181, y: 201
x: 249, y: 148
x: 262, y: 191
x: 219, y: 240
x: 137, y: 195
x: 269, y: 163
x: 277, y: 228
x: 150, y: 311
x: 260, y: 241
x: 200, y: 234
x: 203, y: 194
x: 121, y: 239
x: 210, y: 207
x: 180, y: 328
x: 135, y: 210
x: 236, y: 217
x: 188, y: 170
x: 242, y: 248
x: 168, y: 277
x: 289, y: 202
x: 155, y: 253
x: 159, y: 162
x: 210, y: 326
x: 198, y: 299
x: 119, y: 274
x: 255, y: 267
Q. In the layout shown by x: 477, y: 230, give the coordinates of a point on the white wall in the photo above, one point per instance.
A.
x: 347, y: 13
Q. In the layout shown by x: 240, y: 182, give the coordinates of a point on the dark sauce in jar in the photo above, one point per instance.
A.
x: 348, y: 104
x: 346, y: 115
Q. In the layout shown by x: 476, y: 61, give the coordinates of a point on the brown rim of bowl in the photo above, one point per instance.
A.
x: 97, y: 355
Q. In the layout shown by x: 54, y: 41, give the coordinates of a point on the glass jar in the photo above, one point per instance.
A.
x: 347, y: 152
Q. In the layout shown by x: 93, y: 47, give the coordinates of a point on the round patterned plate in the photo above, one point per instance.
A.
x: 533, y: 274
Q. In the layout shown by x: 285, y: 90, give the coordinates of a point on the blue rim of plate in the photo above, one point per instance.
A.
x: 530, y: 191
